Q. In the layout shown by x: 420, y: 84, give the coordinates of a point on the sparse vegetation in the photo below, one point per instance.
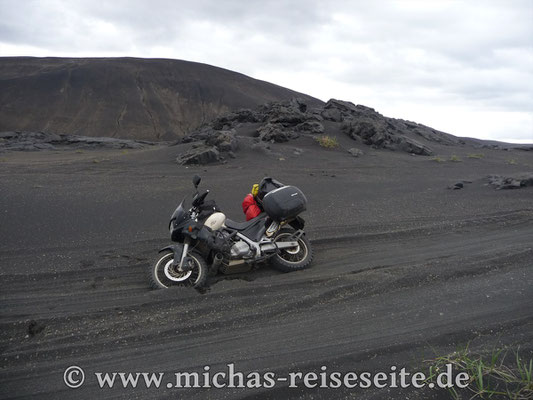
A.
x: 79, y: 151
x: 329, y: 142
x: 489, y: 377
x: 476, y: 155
x: 437, y: 159
x: 455, y: 158
x: 512, y: 161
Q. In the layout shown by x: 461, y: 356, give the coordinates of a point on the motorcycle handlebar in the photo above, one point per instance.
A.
x: 200, y: 199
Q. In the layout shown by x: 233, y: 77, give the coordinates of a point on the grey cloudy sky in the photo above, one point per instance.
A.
x: 464, y: 67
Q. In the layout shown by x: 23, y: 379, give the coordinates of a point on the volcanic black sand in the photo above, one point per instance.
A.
x: 405, y: 268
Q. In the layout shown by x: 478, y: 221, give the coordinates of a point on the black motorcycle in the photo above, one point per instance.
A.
x: 208, y: 243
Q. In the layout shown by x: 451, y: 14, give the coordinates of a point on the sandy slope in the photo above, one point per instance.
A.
x: 404, y: 268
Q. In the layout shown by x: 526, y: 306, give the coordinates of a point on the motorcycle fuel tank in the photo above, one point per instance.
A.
x: 215, y: 221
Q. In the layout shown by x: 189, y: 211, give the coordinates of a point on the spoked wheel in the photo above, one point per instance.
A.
x: 292, y: 258
x: 164, y: 275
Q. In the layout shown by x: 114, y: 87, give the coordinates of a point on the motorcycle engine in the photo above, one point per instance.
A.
x: 240, y: 250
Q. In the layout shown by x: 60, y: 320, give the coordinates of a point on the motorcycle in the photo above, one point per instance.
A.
x: 208, y: 243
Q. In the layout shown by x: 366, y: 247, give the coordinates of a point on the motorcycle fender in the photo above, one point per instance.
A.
x: 297, y: 223
x: 176, y: 249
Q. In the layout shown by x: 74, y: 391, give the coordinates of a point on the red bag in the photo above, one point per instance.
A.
x: 250, y: 207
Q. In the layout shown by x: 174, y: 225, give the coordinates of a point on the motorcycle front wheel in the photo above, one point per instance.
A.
x: 164, y: 275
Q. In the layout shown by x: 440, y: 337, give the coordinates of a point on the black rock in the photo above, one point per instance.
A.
x: 7, y: 135
x: 517, y: 182
x: 332, y: 114
x: 288, y: 113
x: 412, y: 146
x: 370, y: 132
x: 341, y: 105
x: 378, y: 132
x: 223, y: 140
x: 35, y: 328
x: 276, y: 132
x: 199, y: 155
x: 228, y: 121
x: 312, y: 127
x: 355, y: 152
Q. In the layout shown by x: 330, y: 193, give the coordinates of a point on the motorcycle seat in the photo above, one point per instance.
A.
x: 240, y: 226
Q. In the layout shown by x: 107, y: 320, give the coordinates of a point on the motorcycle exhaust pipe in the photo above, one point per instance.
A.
x: 216, y: 262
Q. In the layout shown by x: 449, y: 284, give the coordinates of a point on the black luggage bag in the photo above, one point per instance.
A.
x: 284, y: 203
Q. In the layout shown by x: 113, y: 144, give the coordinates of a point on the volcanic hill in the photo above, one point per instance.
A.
x: 127, y: 98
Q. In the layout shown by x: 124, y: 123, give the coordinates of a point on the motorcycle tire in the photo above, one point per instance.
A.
x: 162, y: 275
x: 292, y: 259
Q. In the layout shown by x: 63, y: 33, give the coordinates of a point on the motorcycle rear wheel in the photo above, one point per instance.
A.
x: 292, y: 259
x: 163, y: 275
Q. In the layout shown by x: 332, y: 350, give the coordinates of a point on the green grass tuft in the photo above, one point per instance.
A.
x: 490, y: 376
x: 455, y: 158
x: 476, y: 155
x: 329, y: 142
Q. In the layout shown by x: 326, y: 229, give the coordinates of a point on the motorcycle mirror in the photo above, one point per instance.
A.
x: 196, y: 181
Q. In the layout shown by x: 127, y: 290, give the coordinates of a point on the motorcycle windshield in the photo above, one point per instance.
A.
x: 180, y: 214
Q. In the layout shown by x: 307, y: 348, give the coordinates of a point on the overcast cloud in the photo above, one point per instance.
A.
x: 464, y: 67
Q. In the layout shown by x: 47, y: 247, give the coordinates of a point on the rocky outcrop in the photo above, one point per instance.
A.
x: 35, y: 141
x: 510, y: 182
x: 373, y: 129
x: 288, y: 113
x: 230, y: 120
x: 370, y: 132
x: 279, y: 122
x: 199, y: 153
x: 413, y: 146
x: 282, y: 122
x: 276, y: 132
x: 287, y: 120
x: 338, y: 110
x: 210, y: 145
x: 382, y: 132
x: 223, y: 141
x: 311, y: 127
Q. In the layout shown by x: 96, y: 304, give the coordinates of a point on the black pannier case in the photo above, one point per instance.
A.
x: 284, y: 203
x: 267, y: 185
